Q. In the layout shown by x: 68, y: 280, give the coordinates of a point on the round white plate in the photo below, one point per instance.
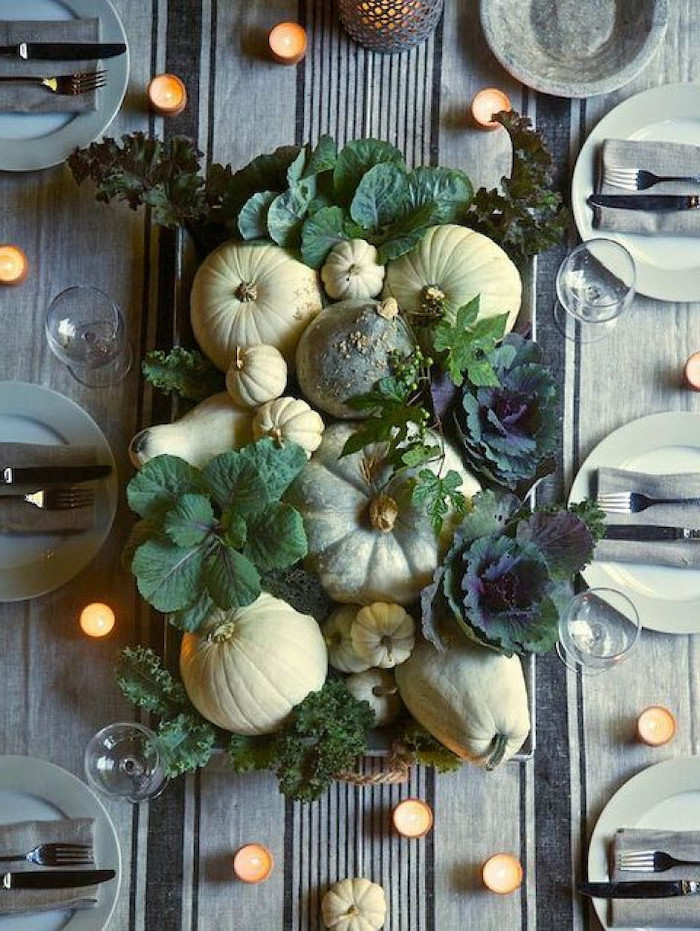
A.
x: 29, y: 141
x: 667, y: 599
x: 668, y: 267
x: 32, y: 789
x: 33, y: 565
x: 664, y: 797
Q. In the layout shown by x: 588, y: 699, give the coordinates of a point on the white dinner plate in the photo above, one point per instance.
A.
x: 663, y: 797
x: 668, y: 599
x: 32, y: 565
x: 668, y: 267
x: 32, y: 789
x: 29, y: 141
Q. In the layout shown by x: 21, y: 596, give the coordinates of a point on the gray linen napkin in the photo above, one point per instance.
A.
x: 663, y: 158
x: 26, y: 98
x: 25, y: 836
x: 679, y: 553
x: 681, y: 912
x: 20, y: 517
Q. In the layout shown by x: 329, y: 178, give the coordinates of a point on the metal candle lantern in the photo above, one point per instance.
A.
x: 390, y: 25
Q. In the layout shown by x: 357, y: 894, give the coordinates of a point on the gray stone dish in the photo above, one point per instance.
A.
x: 574, y: 48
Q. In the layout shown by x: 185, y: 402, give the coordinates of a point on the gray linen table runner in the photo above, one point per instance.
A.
x: 663, y: 158
x: 28, y: 98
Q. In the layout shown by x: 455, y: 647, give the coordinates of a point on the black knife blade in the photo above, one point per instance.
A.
x: 63, y: 51
x: 56, y: 879
x: 653, y: 202
x: 52, y: 475
x: 647, y: 532
x: 658, y: 889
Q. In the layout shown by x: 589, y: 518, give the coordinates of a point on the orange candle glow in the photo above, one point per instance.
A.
x: 13, y: 264
x: 691, y: 372
x: 287, y: 43
x: 167, y: 94
x: 97, y: 619
x: 656, y: 726
x: 253, y: 863
x: 412, y: 818
x: 487, y: 102
x: 502, y: 873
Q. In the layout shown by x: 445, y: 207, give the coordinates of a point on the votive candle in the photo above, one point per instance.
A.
x: 502, y: 873
x: 287, y: 43
x: 253, y: 863
x: 167, y: 94
x: 14, y: 264
x: 97, y: 619
x: 691, y: 372
x: 412, y: 818
x: 486, y: 102
x: 656, y: 726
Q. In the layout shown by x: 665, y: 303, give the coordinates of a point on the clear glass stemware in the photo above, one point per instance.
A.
x: 597, y: 630
x: 122, y: 761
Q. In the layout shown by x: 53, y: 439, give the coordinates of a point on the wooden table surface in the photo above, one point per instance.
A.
x: 58, y: 686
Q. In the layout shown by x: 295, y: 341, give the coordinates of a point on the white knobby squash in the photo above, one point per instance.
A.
x: 378, y: 688
x: 367, y: 541
x: 346, y: 349
x: 244, y: 670
x: 337, y: 632
x: 256, y: 375
x: 450, y: 266
x: 383, y: 634
x: 212, y: 427
x: 245, y: 294
x: 352, y: 270
x: 354, y: 905
x: 289, y: 419
x: 470, y: 698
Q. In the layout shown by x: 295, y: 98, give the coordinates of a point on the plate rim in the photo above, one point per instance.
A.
x: 593, y: 573
x: 653, y: 281
x: 57, y: 778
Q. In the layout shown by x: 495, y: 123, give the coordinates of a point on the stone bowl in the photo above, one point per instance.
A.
x: 574, y: 48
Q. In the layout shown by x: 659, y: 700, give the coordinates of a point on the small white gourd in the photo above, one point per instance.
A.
x: 336, y: 632
x: 352, y: 270
x: 383, y: 634
x: 354, y: 905
x: 256, y: 375
x: 289, y: 419
x: 378, y: 688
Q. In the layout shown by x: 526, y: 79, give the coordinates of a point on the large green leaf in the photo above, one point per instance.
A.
x: 231, y: 578
x: 320, y: 232
x: 169, y: 577
x: 404, y: 233
x: 191, y: 521
x: 323, y: 157
x: 355, y: 159
x: 276, y: 538
x: 287, y: 212
x: 193, y: 617
x: 448, y: 189
x: 295, y: 171
x: 247, y: 479
x: 380, y: 198
x: 252, y: 220
x: 160, y: 484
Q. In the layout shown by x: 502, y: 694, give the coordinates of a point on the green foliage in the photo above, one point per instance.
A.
x: 185, y: 372
x: 592, y: 516
x: 427, y: 750
x: 437, y: 496
x: 185, y: 744
x: 466, y: 343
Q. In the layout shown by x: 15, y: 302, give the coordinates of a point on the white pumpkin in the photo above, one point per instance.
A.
x: 383, y: 634
x: 367, y: 541
x: 212, y: 427
x: 245, y: 294
x: 256, y: 375
x: 289, y: 419
x: 245, y: 670
x: 337, y: 632
x: 354, y: 905
x: 378, y: 688
x: 470, y: 698
x: 450, y: 266
x: 352, y: 270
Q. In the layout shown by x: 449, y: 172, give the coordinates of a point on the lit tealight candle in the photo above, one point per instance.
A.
x: 13, y: 264
x: 487, y: 102
x: 97, y: 619
x: 412, y: 818
x: 287, y: 43
x: 502, y: 873
x: 167, y: 94
x: 253, y: 863
x: 656, y: 726
x: 691, y: 372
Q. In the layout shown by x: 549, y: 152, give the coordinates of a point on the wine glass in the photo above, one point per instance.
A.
x: 597, y: 630
x: 122, y: 761
x: 595, y: 285
x: 85, y: 329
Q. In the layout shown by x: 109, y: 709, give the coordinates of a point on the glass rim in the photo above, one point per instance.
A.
x: 624, y: 253
x: 633, y: 617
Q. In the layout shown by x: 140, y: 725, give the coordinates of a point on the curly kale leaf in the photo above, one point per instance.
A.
x: 427, y: 750
x: 185, y: 372
x: 185, y: 743
x: 145, y: 683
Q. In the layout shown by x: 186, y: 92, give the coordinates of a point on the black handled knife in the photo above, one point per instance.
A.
x: 56, y: 879
x: 647, y: 532
x: 653, y: 889
x: 62, y: 51
x: 654, y: 202
x: 52, y: 475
